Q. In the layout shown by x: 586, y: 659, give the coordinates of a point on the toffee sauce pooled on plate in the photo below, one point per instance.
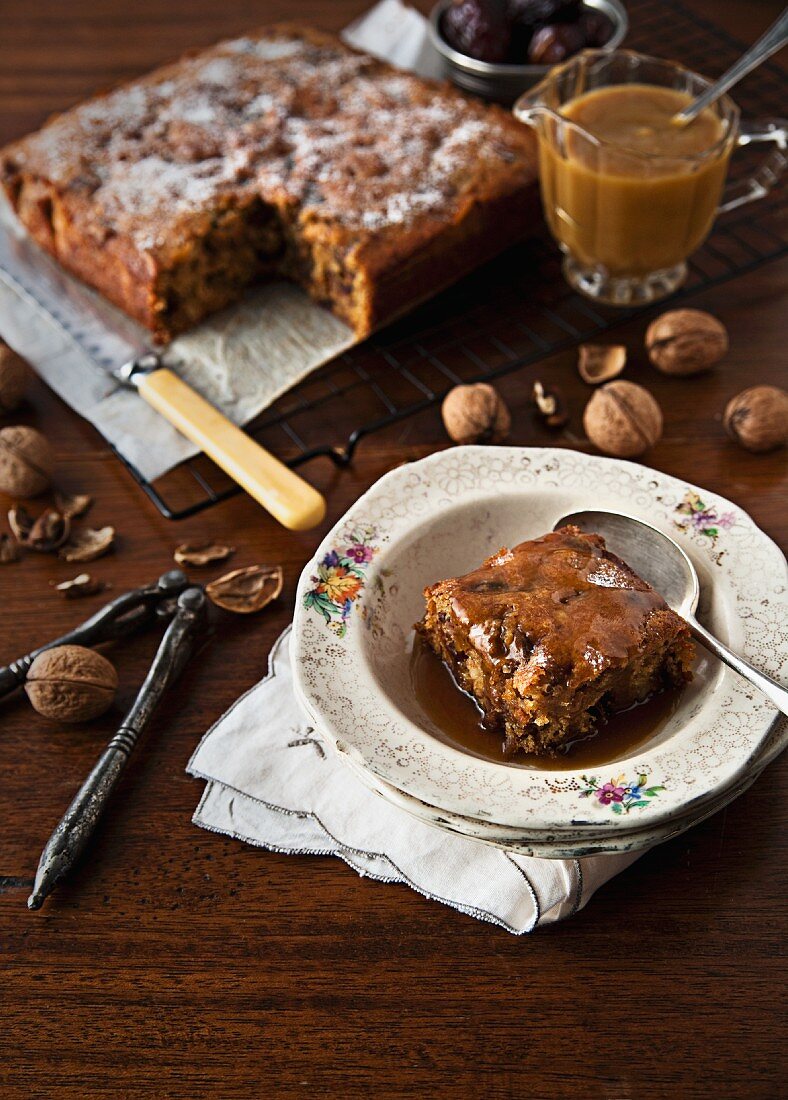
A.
x: 462, y: 723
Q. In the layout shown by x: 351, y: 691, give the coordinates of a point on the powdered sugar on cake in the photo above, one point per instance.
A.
x: 290, y: 120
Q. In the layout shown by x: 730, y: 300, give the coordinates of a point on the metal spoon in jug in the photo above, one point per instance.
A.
x: 661, y: 561
x: 770, y: 42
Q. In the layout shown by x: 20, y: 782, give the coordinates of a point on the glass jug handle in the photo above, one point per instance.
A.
x: 760, y: 183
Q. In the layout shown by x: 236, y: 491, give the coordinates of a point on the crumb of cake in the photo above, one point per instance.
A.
x: 281, y: 153
x: 552, y: 636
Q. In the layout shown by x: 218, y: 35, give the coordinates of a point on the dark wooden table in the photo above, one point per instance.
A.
x: 180, y: 963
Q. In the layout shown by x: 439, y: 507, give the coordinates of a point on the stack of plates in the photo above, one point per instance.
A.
x: 361, y: 594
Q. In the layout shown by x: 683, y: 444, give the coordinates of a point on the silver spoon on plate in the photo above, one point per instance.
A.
x: 661, y: 561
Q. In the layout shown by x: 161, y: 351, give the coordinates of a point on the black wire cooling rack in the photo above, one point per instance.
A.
x: 507, y: 315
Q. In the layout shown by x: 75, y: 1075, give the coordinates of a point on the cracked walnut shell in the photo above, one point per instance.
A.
x: 598, y: 363
x: 202, y: 553
x: 26, y: 462
x: 88, y: 544
x: 71, y: 683
x: 686, y: 341
x: 245, y: 591
x: 623, y: 419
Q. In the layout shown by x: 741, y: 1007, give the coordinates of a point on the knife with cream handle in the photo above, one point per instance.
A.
x: 289, y: 499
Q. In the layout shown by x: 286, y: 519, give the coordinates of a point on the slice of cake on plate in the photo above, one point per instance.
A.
x: 553, y: 635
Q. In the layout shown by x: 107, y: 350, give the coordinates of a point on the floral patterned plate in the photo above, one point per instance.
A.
x: 574, y: 842
x: 361, y: 594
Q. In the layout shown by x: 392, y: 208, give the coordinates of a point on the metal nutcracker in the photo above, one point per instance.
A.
x: 170, y: 597
x: 120, y: 617
x: 76, y: 826
x: 79, y: 821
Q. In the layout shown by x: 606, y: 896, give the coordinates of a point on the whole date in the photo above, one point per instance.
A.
x: 534, y: 32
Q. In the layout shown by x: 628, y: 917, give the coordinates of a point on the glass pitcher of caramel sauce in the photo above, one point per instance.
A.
x: 627, y: 193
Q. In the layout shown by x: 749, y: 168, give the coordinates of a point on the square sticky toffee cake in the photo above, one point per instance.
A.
x: 552, y: 636
x: 283, y: 153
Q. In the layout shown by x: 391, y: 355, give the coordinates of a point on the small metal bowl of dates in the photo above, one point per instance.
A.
x: 499, y: 48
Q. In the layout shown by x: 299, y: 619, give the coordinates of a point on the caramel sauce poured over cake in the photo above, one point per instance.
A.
x: 461, y: 722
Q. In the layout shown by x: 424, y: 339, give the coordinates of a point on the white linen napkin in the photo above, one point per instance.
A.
x: 398, y: 34
x: 276, y: 782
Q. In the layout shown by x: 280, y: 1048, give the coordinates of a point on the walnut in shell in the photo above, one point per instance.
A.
x: 71, y: 684
x: 475, y: 414
x: 686, y: 341
x: 757, y: 418
x: 26, y: 462
x: 622, y: 419
x: 14, y: 374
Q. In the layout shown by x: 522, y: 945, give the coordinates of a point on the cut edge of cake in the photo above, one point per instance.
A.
x: 367, y: 278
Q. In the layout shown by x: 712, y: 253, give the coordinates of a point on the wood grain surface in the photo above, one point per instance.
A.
x: 177, y: 963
